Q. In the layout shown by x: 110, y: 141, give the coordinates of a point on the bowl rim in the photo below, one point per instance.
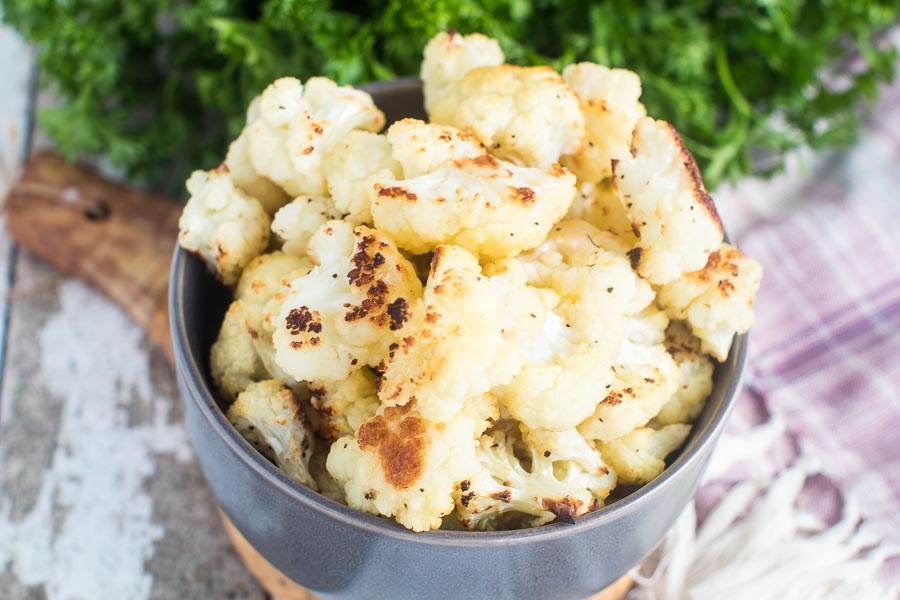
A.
x: 202, y: 396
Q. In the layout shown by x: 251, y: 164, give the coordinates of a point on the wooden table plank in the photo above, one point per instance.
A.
x: 100, y: 496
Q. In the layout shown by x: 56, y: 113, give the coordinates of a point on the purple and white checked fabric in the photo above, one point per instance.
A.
x: 825, y: 348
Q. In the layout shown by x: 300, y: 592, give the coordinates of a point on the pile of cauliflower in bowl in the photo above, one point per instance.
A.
x: 490, y: 319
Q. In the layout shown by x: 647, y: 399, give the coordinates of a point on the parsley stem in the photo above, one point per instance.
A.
x: 724, y: 70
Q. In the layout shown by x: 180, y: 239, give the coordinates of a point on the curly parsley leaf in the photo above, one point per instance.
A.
x: 160, y: 87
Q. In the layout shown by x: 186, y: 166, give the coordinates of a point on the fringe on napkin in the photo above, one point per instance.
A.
x: 757, y: 543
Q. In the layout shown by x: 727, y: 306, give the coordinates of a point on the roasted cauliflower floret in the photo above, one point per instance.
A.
x: 400, y: 464
x: 561, y: 380
x: 421, y: 148
x: 449, y: 56
x: 695, y: 381
x: 343, y: 405
x: 349, y: 309
x: 351, y: 169
x: 599, y: 204
x: 222, y: 224
x: 570, y: 446
x: 484, y: 408
x: 609, y: 100
x: 467, y: 336
x: 297, y: 125
x: 645, y: 379
x: 672, y: 214
x: 328, y: 487
x: 263, y: 286
x: 586, y: 266
x: 717, y: 300
x: 233, y: 361
x: 571, y: 364
x: 296, y: 222
x: 466, y: 197
x: 640, y: 456
x: 526, y: 115
x: 245, y: 175
x: 502, y: 492
x: 559, y: 394
x: 268, y: 415
x: 264, y: 275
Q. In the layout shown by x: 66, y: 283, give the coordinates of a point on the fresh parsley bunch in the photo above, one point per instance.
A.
x: 160, y: 86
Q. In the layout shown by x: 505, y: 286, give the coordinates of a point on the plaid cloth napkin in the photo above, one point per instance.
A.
x: 825, y: 347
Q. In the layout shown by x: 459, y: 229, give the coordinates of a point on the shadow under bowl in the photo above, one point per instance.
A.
x: 338, y: 552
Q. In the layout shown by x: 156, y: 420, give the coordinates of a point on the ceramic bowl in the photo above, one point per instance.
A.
x: 338, y: 552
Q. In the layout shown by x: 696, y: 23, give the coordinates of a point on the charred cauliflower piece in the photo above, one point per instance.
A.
x: 222, y: 224
x: 233, y: 361
x: 344, y: 405
x: 297, y: 125
x: 454, y: 192
x: 449, y: 56
x: 465, y: 337
x: 349, y: 309
x: 609, y: 101
x: 502, y: 492
x: 400, y: 464
x: 268, y: 415
x: 717, y: 300
x: 695, y: 381
x: 245, y: 175
x: 262, y: 288
x: 672, y: 214
x: 296, y: 222
x: 639, y: 457
x: 352, y: 168
x: 526, y: 115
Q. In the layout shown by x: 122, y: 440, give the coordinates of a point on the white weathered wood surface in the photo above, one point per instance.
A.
x: 100, y: 496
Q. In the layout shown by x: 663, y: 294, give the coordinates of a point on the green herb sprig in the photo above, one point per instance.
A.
x: 160, y: 87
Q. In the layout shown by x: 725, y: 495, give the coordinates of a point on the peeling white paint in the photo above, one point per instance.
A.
x: 15, y: 72
x: 92, y: 359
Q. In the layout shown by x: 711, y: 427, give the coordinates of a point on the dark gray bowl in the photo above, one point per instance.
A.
x: 338, y: 552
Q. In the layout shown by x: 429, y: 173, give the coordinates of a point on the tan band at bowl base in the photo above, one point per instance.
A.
x: 274, y: 581
x: 279, y: 586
